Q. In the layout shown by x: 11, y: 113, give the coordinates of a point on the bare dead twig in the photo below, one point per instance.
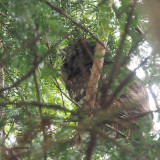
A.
x: 2, y: 84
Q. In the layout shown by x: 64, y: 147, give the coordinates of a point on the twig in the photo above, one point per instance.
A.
x: 125, y: 82
x: 56, y: 82
x: 18, y: 81
x: 34, y: 103
x: 66, y: 95
x: 127, y: 58
x: 8, y: 132
x: 115, y: 130
x: 113, y: 140
x: 108, y: 112
x: 32, y: 70
x: 19, y: 49
x: 20, y: 93
x: 119, y: 50
x: 74, y: 22
x: 11, y: 79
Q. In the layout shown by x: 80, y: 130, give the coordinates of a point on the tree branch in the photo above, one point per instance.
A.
x: 32, y: 70
x: 91, y: 145
x: 73, y: 21
x: 119, y: 50
x: 34, y: 103
x: 94, y: 77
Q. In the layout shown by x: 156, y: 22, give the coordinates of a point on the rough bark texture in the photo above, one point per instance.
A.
x: 124, y: 110
x: 97, y: 67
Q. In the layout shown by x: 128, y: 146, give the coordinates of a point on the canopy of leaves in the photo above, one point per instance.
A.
x: 38, y: 119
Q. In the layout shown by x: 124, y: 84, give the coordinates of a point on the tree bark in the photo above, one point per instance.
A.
x: 92, y: 87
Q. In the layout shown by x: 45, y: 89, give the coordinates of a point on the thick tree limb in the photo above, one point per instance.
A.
x: 95, y: 76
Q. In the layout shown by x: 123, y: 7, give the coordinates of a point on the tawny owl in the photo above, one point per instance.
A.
x: 76, y: 70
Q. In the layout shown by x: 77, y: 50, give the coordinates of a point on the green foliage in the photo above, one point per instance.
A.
x: 38, y: 120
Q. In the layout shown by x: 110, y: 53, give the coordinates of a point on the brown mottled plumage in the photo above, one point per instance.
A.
x: 76, y: 71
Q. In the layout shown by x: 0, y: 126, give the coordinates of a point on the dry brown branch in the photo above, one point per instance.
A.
x: 1, y: 76
x: 109, y: 113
